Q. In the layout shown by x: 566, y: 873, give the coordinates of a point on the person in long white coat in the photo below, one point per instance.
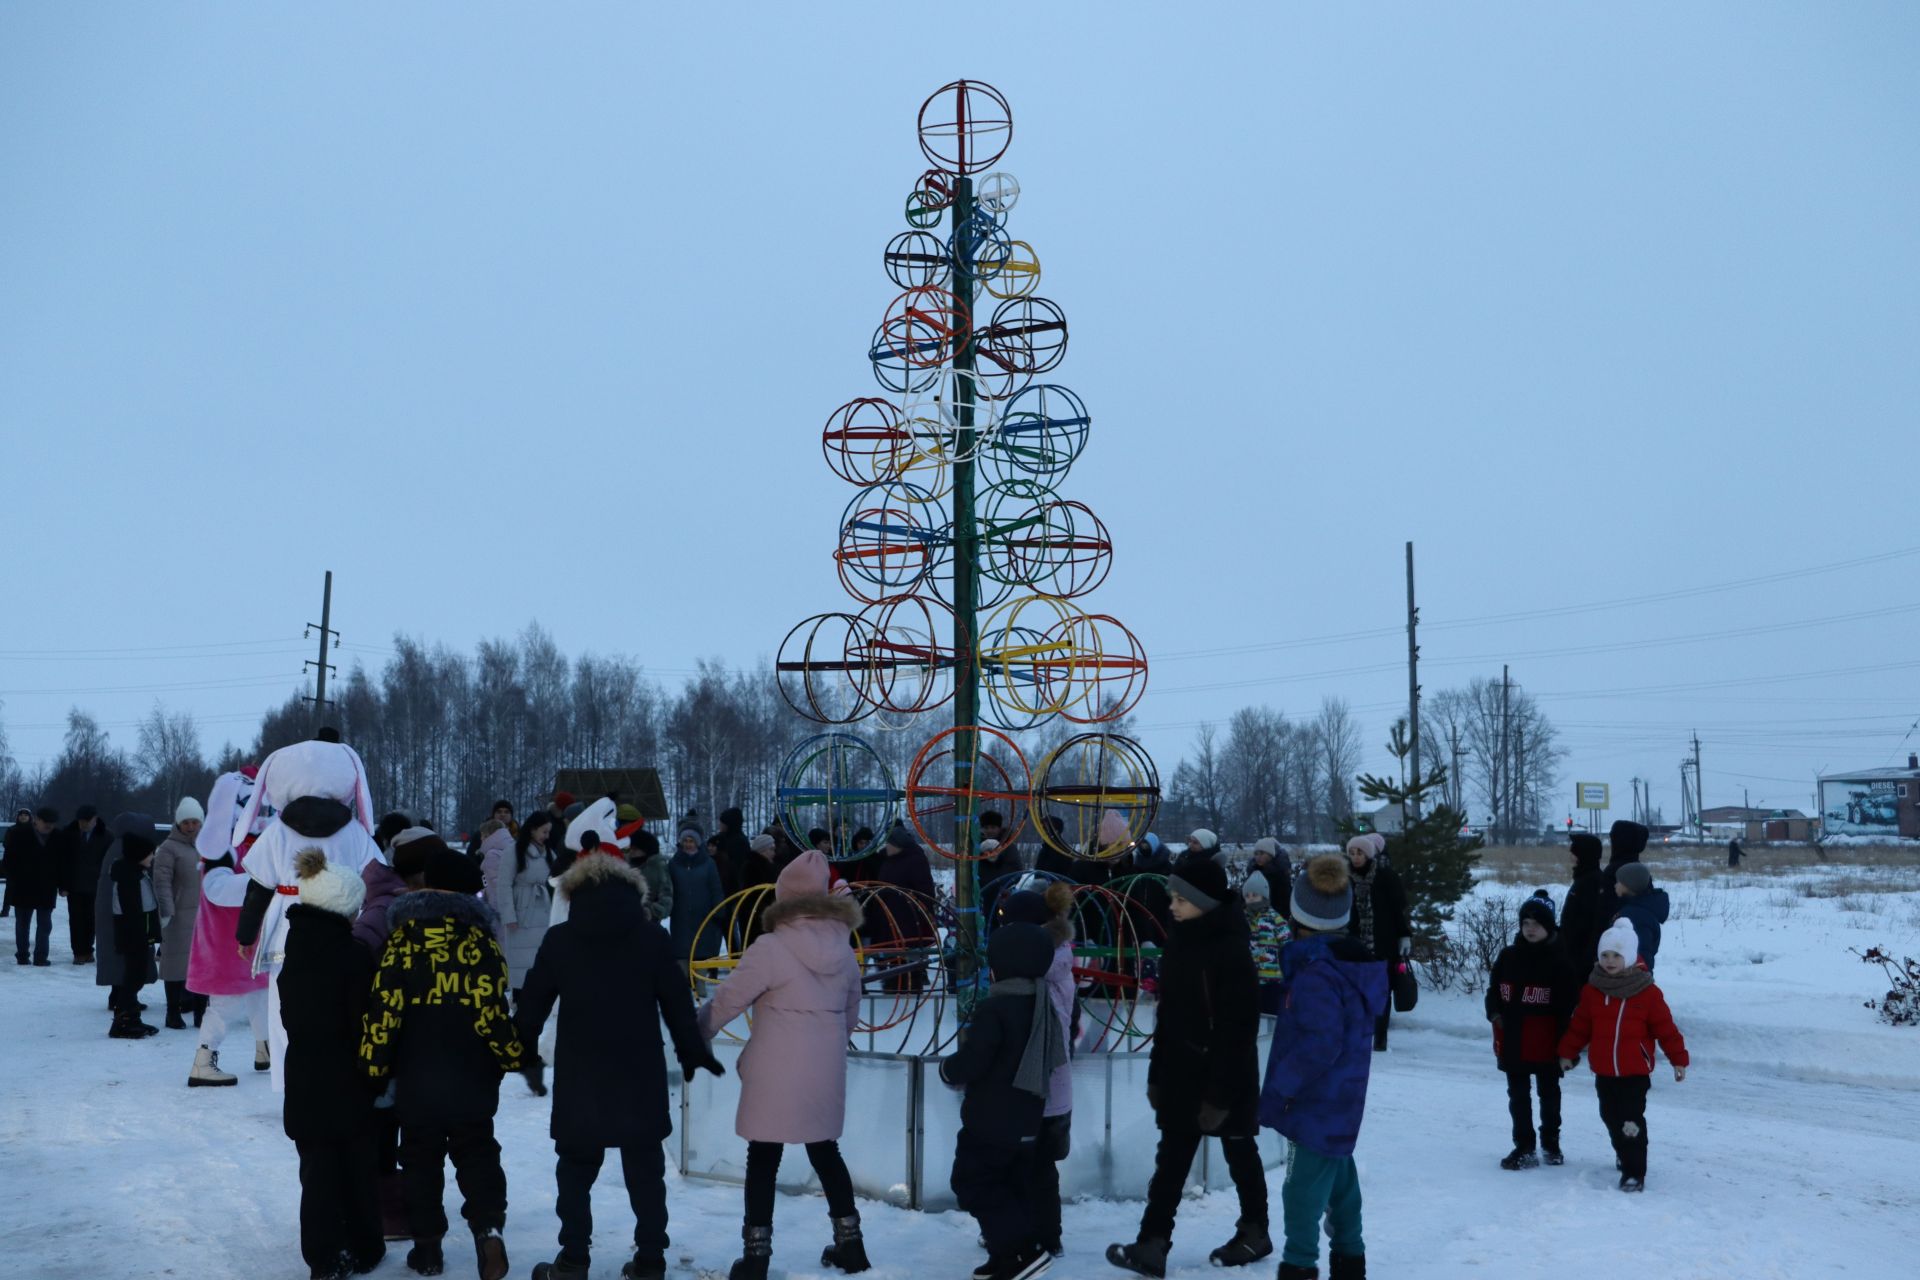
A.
x: 321, y: 800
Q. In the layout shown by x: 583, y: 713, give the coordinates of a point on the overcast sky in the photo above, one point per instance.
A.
x: 506, y: 312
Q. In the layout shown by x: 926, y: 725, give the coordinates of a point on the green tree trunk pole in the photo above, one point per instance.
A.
x: 970, y: 932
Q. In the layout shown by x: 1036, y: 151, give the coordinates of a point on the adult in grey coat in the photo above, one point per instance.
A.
x: 514, y: 871
x: 176, y: 890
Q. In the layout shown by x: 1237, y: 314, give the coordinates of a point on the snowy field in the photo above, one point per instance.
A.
x: 1790, y: 1151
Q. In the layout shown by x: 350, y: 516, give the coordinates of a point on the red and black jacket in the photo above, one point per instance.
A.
x: 1622, y: 1033
x: 1530, y: 996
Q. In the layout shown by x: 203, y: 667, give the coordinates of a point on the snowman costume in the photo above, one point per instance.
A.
x: 318, y: 795
x: 602, y: 819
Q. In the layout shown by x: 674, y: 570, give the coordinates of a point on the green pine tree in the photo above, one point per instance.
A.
x: 1431, y: 856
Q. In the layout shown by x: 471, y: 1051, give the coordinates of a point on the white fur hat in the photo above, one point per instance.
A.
x: 189, y: 810
x: 1621, y: 940
x: 328, y: 887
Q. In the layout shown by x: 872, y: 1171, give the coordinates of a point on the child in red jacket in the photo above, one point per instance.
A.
x: 1621, y: 1014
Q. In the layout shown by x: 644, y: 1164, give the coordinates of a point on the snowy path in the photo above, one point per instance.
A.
x: 1789, y: 1151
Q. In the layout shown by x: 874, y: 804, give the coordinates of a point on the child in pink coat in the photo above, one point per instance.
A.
x: 799, y: 983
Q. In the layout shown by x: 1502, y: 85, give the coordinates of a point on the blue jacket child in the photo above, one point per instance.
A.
x: 1316, y: 1086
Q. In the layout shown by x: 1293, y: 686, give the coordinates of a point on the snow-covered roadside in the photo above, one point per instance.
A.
x: 1786, y: 1153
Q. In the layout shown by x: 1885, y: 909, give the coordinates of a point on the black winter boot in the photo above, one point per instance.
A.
x: 1250, y: 1243
x: 491, y: 1251
x: 756, y: 1252
x: 425, y: 1257
x: 561, y: 1268
x: 1147, y: 1256
x: 1520, y: 1158
x: 848, y: 1250
x: 1290, y: 1272
x: 643, y: 1267
x: 176, y: 992
x: 1347, y: 1266
x: 1550, y: 1149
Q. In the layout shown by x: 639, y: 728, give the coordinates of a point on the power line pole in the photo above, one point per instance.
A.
x: 1699, y: 793
x: 1413, y: 686
x: 1502, y: 800
x: 320, y: 665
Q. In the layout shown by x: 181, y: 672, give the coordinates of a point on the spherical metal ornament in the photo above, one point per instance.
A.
x: 997, y: 193
x: 1029, y: 677
x: 1018, y: 276
x: 909, y: 659
x: 892, y: 535
x: 980, y: 245
x: 936, y: 188
x: 994, y: 711
x: 1025, y: 334
x: 916, y: 259
x: 1058, y: 547
x: 921, y: 326
x: 1042, y: 430
x: 965, y: 127
x: 867, y: 442
x: 893, y: 371
x: 822, y: 670
x: 837, y: 782
x: 1096, y: 795
x: 934, y: 414
x: 941, y: 807
x: 1104, y: 672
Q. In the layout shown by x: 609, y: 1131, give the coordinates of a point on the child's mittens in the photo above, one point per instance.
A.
x: 1630, y: 1128
x: 1566, y: 1064
x: 1211, y: 1117
x: 1679, y: 1074
x: 1406, y: 947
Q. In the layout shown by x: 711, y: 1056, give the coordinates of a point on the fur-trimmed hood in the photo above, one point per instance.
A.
x: 597, y: 869
x: 813, y: 906
x: 435, y: 904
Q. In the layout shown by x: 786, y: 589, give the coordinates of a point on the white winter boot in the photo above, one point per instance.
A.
x: 206, y: 1070
x: 261, y: 1060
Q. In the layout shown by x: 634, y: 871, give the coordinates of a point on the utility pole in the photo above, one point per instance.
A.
x: 1518, y: 787
x: 320, y: 665
x: 1502, y: 801
x: 1413, y: 686
x: 1699, y: 793
x: 1458, y: 785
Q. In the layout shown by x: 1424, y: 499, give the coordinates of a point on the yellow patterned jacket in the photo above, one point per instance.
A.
x: 438, y: 1023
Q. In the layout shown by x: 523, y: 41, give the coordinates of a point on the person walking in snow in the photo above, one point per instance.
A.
x: 325, y: 983
x: 1005, y: 1065
x: 318, y: 793
x: 83, y: 848
x: 127, y: 924
x: 217, y: 973
x: 1626, y: 841
x: 1052, y: 911
x: 800, y: 984
x: 439, y: 1028
x: 1315, y: 1094
x: 514, y: 869
x: 1531, y: 993
x: 610, y: 969
x: 1380, y: 918
x: 176, y: 887
x: 1203, y: 1078
x: 1644, y: 906
x: 1622, y: 1015
x: 1580, y: 921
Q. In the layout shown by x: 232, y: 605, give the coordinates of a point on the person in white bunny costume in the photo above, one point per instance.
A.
x: 319, y: 797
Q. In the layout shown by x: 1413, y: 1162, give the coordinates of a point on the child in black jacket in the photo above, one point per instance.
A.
x: 1011, y: 1049
x: 325, y: 986
x: 1530, y: 997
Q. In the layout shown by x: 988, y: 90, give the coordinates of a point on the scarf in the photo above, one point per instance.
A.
x: 1046, y: 1043
x: 1621, y: 986
x: 1363, y: 904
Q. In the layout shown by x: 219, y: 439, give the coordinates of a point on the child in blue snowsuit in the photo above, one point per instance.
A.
x: 1316, y: 1085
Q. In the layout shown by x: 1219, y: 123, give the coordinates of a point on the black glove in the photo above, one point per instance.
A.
x: 535, y: 1072
x: 708, y: 1063
x: 1211, y: 1117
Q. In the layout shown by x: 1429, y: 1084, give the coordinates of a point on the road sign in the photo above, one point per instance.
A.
x: 1593, y: 795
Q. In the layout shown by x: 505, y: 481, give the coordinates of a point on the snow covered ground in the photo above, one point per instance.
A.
x: 1790, y: 1151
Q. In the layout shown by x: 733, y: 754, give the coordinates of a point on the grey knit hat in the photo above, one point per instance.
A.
x: 1323, y: 894
x: 1636, y: 877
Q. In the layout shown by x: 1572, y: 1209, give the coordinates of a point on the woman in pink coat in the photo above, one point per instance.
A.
x: 800, y: 984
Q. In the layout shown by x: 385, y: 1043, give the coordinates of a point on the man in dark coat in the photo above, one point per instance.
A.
x: 1580, y: 922
x: 33, y: 885
x: 325, y: 984
x: 127, y: 921
x: 83, y: 846
x: 612, y: 970
x: 22, y: 824
x: 438, y: 1026
x: 734, y: 851
x: 1203, y: 1078
x: 902, y: 913
x: 1381, y: 920
x: 1626, y: 841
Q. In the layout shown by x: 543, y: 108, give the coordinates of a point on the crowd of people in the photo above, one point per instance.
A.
x: 392, y: 980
